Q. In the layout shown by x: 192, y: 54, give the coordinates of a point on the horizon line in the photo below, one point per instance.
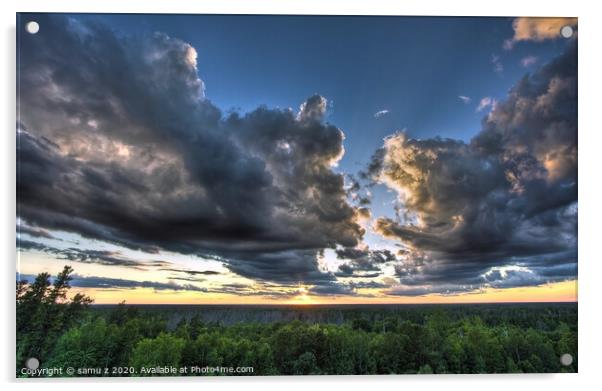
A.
x: 338, y: 304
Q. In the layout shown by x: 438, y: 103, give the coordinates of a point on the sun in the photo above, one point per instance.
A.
x: 302, y: 296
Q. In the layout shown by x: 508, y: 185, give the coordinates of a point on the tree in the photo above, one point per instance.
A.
x: 425, y: 370
x: 44, y: 313
x: 306, y: 364
x: 164, y: 350
x: 94, y: 344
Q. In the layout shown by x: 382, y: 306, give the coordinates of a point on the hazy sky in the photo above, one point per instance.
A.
x: 214, y: 159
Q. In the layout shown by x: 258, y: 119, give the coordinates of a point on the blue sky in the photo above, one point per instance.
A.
x: 414, y: 67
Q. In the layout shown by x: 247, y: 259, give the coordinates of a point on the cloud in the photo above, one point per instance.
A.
x: 193, y: 272
x: 528, y: 61
x: 506, y: 199
x: 362, y: 260
x: 35, y: 232
x: 119, y: 283
x: 264, y: 290
x: 498, y: 67
x: 381, y: 113
x: 24, y: 244
x: 361, y: 197
x: 539, y: 29
x: 290, y: 267
x: 442, y: 290
x: 465, y: 99
x: 485, y: 103
x: 118, y: 142
x: 332, y: 289
x: 188, y: 279
x: 101, y: 257
x: 313, y: 109
x: 367, y: 285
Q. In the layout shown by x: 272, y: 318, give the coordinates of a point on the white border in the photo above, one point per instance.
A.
x: 589, y: 187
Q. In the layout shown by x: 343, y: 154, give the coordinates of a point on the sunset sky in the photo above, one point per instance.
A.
x: 286, y: 159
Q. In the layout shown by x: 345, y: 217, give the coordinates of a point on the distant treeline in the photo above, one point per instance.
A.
x: 64, y: 333
x: 543, y: 316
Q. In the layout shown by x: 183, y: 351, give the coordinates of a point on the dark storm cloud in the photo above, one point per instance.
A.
x: 104, y: 257
x: 118, y: 283
x: 509, y: 197
x: 366, y: 256
x: 339, y: 289
x: 348, y: 270
x: 332, y: 289
x: 117, y: 142
x: 345, y: 270
x: 365, y: 260
x: 25, y: 244
x: 193, y: 272
x: 288, y: 267
x: 35, y: 232
x: 103, y: 282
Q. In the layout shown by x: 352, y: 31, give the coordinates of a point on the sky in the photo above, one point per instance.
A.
x: 297, y: 159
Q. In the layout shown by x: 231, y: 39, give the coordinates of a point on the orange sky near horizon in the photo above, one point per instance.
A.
x: 565, y: 291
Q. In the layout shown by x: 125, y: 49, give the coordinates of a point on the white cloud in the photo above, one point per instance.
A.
x: 528, y: 61
x: 379, y: 114
x: 498, y: 67
x: 508, y: 44
x: 465, y: 99
x: 486, y: 102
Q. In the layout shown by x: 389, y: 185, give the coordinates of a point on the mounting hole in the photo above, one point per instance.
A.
x: 32, y: 363
x: 32, y: 27
x: 566, y: 359
x: 566, y: 31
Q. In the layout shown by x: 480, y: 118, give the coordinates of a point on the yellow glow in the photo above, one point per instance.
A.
x: 302, y: 297
x: 565, y: 291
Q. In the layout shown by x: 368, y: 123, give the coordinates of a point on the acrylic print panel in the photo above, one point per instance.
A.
x: 295, y: 195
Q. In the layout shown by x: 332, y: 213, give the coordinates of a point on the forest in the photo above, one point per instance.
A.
x: 69, y: 336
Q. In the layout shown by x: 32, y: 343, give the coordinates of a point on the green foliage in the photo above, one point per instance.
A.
x: 306, y: 364
x: 93, y: 344
x: 425, y: 370
x: 456, y: 339
x: 164, y: 350
x: 44, y: 313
